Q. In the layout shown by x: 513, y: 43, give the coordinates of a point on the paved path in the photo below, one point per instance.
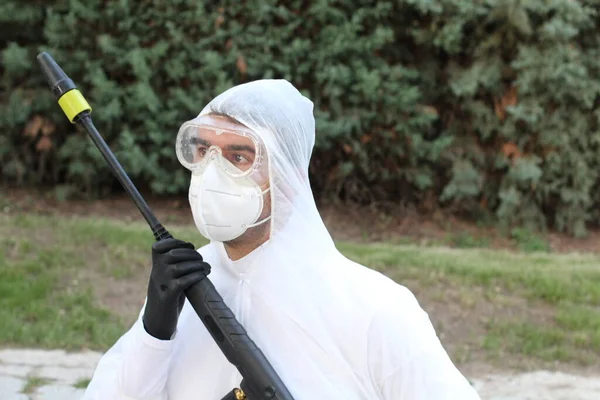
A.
x: 45, y: 375
x: 540, y: 385
x: 56, y: 375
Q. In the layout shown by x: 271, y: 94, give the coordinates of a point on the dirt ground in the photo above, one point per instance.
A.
x: 345, y: 221
x: 461, y: 329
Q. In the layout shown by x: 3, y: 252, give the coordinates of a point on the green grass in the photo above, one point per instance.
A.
x: 527, y: 339
x: 529, y: 241
x: 82, y: 383
x: 47, y: 286
x: 573, y: 338
x: 549, y: 277
x: 464, y: 240
x: 34, y: 309
x: 32, y: 383
x: 41, y: 257
x: 564, y: 286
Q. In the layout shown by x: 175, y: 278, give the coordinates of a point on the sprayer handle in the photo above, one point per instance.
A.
x: 234, y: 342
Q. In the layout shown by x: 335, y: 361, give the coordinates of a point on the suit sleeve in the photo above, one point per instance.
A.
x: 406, y: 358
x: 136, y: 367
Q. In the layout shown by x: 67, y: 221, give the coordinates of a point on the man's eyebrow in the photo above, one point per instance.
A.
x: 240, y: 147
x: 196, y: 140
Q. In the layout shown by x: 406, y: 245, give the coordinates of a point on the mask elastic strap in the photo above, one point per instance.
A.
x: 259, y: 222
x: 264, y: 220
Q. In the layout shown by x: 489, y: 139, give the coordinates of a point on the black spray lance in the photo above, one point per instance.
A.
x: 260, y: 381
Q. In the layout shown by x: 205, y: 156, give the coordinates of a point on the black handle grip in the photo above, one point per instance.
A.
x: 260, y: 378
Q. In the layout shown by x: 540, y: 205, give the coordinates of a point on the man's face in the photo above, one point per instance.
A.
x: 239, y: 152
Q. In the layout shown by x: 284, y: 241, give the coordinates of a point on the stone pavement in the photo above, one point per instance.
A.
x: 539, y: 385
x: 57, y: 375
x: 45, y: 375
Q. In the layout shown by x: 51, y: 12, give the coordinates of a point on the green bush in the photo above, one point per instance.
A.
x: 478, y: 107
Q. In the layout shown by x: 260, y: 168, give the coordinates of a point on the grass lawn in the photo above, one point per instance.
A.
x: 79, y: 283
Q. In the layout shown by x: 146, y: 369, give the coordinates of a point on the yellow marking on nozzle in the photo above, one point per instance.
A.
x: 73, y: 103
x: 239, y: 394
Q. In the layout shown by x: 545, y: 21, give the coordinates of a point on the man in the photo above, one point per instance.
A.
x: 332, y: 329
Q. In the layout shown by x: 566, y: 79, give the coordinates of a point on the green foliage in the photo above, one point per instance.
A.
x: 479, y: 106
x: 525, y: 90
x: 528, y: 241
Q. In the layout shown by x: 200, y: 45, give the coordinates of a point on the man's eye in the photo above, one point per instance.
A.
x: 240, y: 159
x: 200, y: 153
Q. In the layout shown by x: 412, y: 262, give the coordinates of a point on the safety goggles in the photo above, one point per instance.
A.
x: 234, y: 148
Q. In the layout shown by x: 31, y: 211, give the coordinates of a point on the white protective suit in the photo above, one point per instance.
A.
x: 331, y: 328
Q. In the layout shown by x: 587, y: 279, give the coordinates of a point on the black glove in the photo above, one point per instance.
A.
x: 176, y: 266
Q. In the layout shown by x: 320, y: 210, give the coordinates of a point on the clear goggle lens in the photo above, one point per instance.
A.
x: 237, y: 152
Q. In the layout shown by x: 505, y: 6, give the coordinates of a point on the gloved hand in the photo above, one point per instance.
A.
x: 176, y: 266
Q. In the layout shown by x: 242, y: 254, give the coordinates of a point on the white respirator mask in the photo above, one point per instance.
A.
x: 224, y: 207
x: 225, y: 197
